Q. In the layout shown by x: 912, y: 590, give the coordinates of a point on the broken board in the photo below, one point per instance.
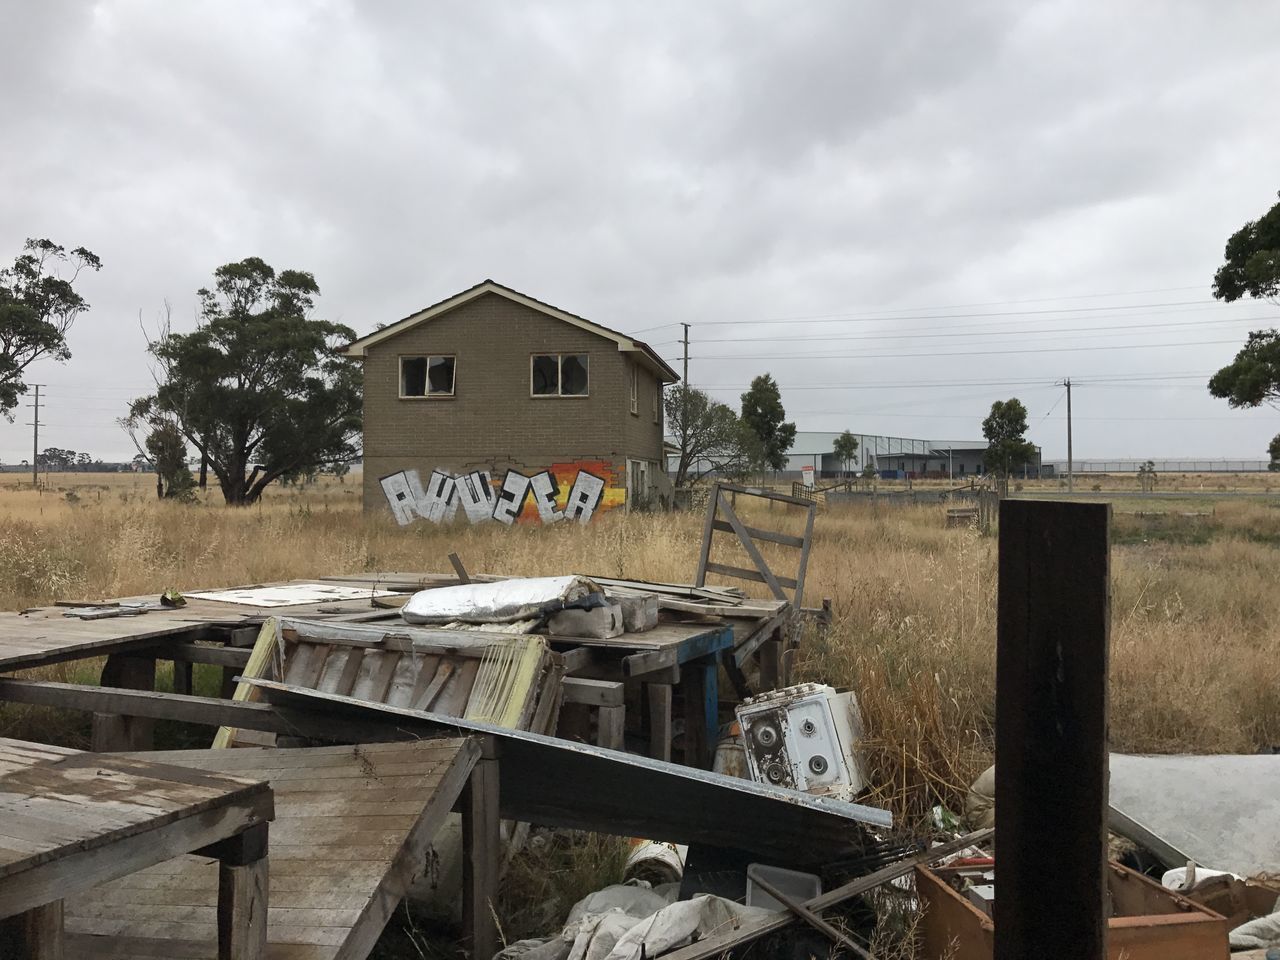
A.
x: 557, y: 782
x: 353, y: 826
x: 505, y: 680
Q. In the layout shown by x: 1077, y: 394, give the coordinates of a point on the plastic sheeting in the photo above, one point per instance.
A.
x: 1221, y: 811
x: 624, y: 922
x: 504, y: 601
x: 1256, y: 934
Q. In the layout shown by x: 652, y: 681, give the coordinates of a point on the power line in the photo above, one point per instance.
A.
x: 883, y: 318
x: 923, y: 332
x: 959, y: 353
x: 1051, y: 409
x: 964, y: 306
x: 1128, y: 379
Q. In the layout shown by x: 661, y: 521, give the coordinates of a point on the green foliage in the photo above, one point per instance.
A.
x: 1252, y: 268
x: 258, y: 387
x: 845, y: 448
x: 763, y: 413
x: 1253, y: 378
x: 168, y: 452
x: 37, y: 308
x: 1252, y: 264
x: 1274, y: 449
x: 1005, y: 430
x: 710, y: 436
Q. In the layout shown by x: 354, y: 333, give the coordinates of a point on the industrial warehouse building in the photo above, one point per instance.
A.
x: 891, y: 456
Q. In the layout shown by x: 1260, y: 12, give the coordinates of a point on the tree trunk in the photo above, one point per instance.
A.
x: 204, y: 470
x: 159, y: 486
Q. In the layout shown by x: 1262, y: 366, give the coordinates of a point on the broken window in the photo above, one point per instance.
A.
x: 426, y: 376
x: 558, y: 375
x: 635, y: 389
x: 573, y: 375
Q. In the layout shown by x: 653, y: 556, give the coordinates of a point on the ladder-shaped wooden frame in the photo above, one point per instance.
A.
x: 722, y: 517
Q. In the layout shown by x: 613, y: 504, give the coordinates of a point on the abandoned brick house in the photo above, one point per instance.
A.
x: 492, y: 405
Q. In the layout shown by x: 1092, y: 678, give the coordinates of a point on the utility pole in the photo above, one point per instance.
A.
x: 686, y: 354
x: 1070, y: 459
x: 684, y: 402
x: 35, y: 438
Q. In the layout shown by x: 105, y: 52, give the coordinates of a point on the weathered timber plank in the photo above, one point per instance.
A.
x: 1053, y: 630
x: 742, y: 573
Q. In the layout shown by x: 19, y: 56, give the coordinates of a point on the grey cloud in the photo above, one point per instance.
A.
x: 652, y: 163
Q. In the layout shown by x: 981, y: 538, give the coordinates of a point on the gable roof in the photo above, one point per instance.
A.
x: 645, y: 353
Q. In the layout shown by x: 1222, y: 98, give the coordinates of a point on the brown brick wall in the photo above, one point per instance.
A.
x: 492, y: 422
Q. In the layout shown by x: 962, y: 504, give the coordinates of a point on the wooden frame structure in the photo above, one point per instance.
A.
x: 721, y: 517
x: 767, y: 642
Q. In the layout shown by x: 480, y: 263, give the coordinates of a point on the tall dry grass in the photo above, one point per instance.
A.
x: 1195, y: 637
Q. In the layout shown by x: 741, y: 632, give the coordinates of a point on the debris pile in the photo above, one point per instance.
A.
x: 411, y: 726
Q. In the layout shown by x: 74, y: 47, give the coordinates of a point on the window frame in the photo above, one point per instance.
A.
x: 426, y: 384
x: 635, y: 389
x: 657, y: 402
x: 560, y: 394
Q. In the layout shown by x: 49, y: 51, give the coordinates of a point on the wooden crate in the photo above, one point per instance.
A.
x: 1147, y: 921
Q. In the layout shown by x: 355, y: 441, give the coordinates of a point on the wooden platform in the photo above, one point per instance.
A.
x: 46, y: 635
x: 353, y: 827
x: 70, y: 820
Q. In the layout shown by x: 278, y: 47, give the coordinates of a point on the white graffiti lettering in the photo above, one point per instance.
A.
x: 545, y: 490
x: 515, y: 487
x: 396, y: 489
x: 438, y: 503
x: 584, y: 497
x: 475, y: 491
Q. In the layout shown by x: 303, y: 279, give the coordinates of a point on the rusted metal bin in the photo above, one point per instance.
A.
x: 1146, y: 921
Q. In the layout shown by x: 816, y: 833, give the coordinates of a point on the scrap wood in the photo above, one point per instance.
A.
x: 265, y: 649
x: 712, y: 946
x: 560, y: 783
x: 456, y: 562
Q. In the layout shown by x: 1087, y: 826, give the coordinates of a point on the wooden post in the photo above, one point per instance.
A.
x: 704, y: 555
x: 243, y: 885
x: 1051, y: 730
x: 611, y: 725
x: 771, y: 662
x: 34, y: 935
x: 183, y: 676
x: 481, y: 849
x: 659, y: 720
x: 699, y: 690
x: 111, y: 732
x: 456, y: 562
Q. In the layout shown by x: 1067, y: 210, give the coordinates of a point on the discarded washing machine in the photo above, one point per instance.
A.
x: 804, y: 737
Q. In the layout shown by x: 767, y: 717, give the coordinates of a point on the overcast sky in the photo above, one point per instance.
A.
x: 993, y: 181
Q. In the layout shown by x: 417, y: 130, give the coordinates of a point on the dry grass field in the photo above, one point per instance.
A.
x: 1195, y: 639
x: 1196, y: 642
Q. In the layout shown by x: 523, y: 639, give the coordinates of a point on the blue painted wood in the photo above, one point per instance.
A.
x: 711, y: 701
x: 705, y: 644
